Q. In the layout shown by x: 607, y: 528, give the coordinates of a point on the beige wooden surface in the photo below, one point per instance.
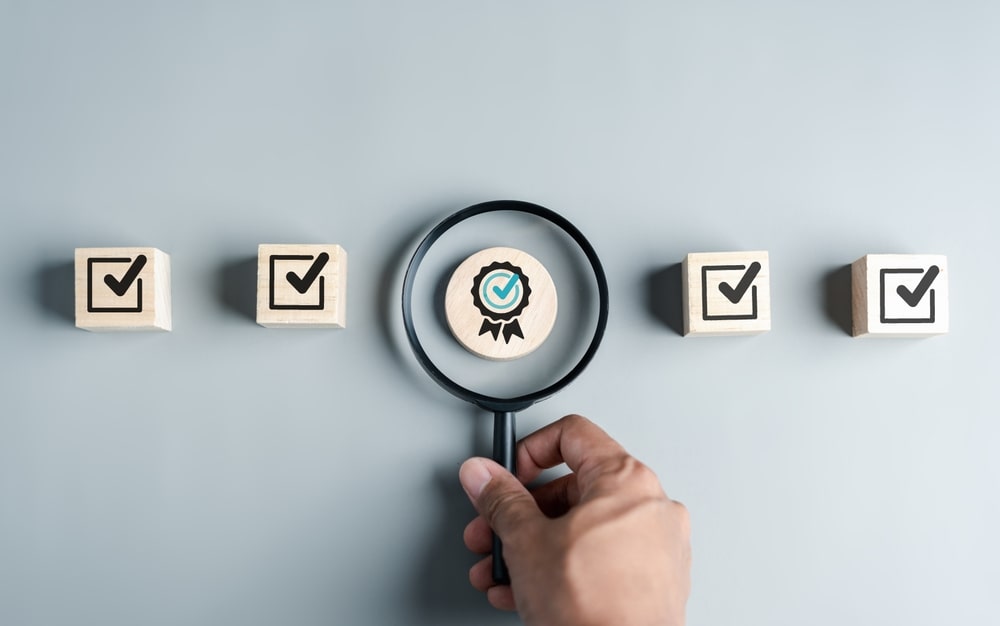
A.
x: 120, y: 289
x: 309, y: 288
x: 726, y: 293
x: 487, y: 334
x: 899, y: 295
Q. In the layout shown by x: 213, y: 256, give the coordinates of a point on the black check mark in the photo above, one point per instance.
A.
x: 914, y: 297
x: 122, y: 286
x: 303, y: 284
x: 735, y: 295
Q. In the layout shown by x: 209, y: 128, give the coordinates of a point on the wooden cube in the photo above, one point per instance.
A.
x: 122, y: 289
x: 899, y: 295
x: 301, y: 286
x: 726, y: 293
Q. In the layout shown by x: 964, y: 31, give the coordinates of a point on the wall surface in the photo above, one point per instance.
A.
x: 229, y: 474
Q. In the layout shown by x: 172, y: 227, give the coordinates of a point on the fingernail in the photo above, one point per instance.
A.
x: 474, y: 475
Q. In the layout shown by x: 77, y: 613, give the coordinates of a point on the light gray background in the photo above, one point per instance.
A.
x: 230, y: 474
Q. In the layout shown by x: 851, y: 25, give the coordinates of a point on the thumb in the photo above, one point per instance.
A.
x: 498, y: 496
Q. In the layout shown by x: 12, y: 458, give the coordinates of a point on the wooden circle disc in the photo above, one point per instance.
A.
x: 500, y: 303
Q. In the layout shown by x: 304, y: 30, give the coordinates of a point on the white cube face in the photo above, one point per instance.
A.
x: 901, y: 295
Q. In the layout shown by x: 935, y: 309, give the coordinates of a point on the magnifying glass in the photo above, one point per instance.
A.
x: 505, y: 387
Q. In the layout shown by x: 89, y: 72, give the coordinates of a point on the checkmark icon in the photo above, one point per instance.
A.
x: 736, y: 294
x: 303, y: 284
x: 913, y: 298
x: 503, y: 292
x: 120, y: 287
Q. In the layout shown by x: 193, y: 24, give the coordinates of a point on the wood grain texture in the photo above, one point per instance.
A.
x: 501, y: 303
x: 301, y: 286
x: 122, y: 289
x: 899, y: 295
x: 726, y: 293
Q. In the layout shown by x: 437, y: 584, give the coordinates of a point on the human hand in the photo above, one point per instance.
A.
x: 601, y: 545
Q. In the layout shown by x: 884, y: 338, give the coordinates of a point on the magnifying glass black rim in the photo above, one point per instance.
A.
x: 492, y: 403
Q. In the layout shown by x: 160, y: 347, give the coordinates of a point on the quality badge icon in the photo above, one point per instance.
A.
x: 512, y: 308
x: 501, y: 291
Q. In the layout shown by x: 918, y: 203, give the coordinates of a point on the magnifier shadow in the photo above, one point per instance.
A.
x: 389, y: 287
x: 441, y: 592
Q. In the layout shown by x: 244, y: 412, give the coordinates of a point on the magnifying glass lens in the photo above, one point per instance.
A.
x: 519, y: 372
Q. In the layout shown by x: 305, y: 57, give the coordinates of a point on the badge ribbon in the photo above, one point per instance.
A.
x: 495, y: 328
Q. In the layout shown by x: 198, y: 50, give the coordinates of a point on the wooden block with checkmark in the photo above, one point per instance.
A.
x: 899, y: 295
x: 726, y: 293
x: 301, y: 286
x: 122, y: 289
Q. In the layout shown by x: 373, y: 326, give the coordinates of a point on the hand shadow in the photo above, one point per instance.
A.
x: 441, y: 590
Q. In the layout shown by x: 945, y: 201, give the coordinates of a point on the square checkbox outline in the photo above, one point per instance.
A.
x: 881, y: 298
x: 294, y: 307
x: 704, y: 295
x: 90, y: 287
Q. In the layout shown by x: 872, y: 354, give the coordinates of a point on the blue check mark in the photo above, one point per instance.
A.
x: 502, y: 293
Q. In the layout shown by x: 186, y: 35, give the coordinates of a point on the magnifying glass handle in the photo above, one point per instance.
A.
x: 504, y: 453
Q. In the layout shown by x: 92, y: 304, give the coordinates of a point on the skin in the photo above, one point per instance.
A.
x: 601, y: 545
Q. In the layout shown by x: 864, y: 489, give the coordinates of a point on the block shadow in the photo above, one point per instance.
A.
x: 663, y: 288
x: 236, y: 286
x: 55, y: 290
x: 837, y: 297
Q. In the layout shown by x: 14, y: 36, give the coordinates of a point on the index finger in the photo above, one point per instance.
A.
x: 573, y: 440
